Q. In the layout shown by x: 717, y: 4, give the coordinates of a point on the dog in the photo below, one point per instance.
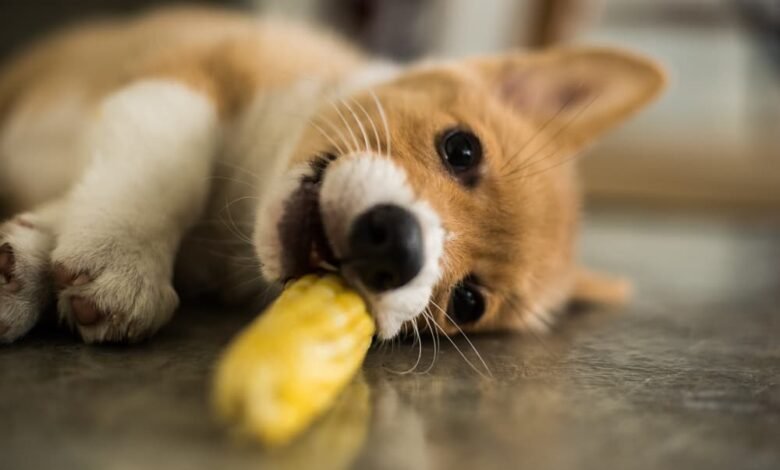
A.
x: 200, y: 152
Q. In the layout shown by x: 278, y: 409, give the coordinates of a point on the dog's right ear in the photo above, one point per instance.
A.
x: 586, y: 90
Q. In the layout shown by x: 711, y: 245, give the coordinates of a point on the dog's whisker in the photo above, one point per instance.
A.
x: 542, y: 130
x: 233, y: 227
x: 565, y: 160
x: 312, y: 121
x: 371, y: 122
x: 385, y: 123
x: 552, y: 167
x: 359, y: 123
x: 327, y: 136
x: 344, y: 121
x: 215, y: 241
x: 532, y: 160
x: 425, y: 315
x: 257, y: 278
x: 250, y: 185
x: 521, y: 313
x: 419, y: 345
x: 237, y: 233
x: 465, y: 336
x: 539, y: 132
x: 239, y: 262
x: 340, y: 134
x: 418, y: 340
x: 217, y: 221
x: 233, y: 166
x: 462, y: 355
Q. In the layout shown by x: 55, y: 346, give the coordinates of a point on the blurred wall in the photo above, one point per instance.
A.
x: 405, y: 29
x: 22, y: 21
x: 714, y: 137
x: 713, y: 140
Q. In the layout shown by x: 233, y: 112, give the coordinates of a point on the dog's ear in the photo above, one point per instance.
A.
x: 583, y: 91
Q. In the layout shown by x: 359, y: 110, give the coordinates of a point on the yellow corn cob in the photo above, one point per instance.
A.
x: 291, y: 363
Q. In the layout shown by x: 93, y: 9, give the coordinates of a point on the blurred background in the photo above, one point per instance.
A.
x: 712, y: 142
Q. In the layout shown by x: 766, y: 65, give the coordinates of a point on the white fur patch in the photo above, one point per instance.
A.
x: 352, y: 186
x: 151, y: 150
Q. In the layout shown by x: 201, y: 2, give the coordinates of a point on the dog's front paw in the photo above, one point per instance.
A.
x: 113, y: 297
x: 24, y: 277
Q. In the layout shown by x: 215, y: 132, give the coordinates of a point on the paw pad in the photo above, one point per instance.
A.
x: 85, y: 312
x: 64, y: 277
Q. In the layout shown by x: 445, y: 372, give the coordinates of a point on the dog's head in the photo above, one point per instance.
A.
x: 447, y: 190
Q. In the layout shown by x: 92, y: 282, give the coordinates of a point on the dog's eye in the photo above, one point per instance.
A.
x: 461, y: 151
x: 467, y: 305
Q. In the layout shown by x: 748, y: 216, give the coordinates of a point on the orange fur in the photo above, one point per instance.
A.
x: 228, y: 55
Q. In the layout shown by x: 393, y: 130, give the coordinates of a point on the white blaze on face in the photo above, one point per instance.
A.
x: 353, y: 185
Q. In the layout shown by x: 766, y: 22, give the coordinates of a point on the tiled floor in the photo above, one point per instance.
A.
x: 686, y: 377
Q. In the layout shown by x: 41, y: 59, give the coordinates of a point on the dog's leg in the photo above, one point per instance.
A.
x: 596, y: 288
x: 26, y: 242
x: 151, y: 155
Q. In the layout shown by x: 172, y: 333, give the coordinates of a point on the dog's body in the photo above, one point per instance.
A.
x: 133, y: 150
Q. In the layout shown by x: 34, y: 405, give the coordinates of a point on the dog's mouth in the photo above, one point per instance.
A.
x: 305, y: 246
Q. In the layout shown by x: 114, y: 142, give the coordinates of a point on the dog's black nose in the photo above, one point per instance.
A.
x: 386, y: 247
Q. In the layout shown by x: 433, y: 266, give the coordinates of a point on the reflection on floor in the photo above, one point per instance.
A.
x: 686, y: 377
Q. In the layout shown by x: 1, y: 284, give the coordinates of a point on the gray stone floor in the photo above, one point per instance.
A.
x: 688, y: 376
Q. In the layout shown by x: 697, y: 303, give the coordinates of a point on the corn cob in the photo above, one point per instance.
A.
x: 290, y: 364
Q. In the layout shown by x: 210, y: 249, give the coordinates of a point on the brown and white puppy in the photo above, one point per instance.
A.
x: 195, y: 142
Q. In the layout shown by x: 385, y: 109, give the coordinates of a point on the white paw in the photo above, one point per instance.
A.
x: 111, y: 292
x: 25, y: 286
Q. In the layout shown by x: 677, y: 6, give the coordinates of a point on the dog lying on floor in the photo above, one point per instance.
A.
x: 189, y: 148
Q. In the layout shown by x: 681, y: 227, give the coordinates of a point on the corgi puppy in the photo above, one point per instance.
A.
x: 210, y: 151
